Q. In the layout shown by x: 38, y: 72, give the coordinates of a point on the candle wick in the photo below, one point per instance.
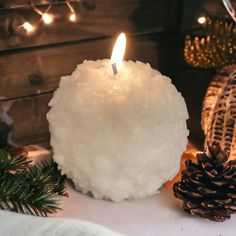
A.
x: 114, y: 68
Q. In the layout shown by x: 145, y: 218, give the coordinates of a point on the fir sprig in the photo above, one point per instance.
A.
x: 9, y: 163
x: 29, y: 189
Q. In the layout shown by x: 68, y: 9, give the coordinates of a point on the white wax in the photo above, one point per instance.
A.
x: 119, y: 137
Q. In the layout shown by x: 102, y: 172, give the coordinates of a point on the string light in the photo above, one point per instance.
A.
x: 47, y: 19
x: 28, y: 27
x: 72, y: 17
x: 201, y: 20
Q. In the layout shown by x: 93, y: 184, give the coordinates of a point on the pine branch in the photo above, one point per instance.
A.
x: 29, y: 189
x: 56, y: 182
x: 12, y: 164
x: 216, y: 49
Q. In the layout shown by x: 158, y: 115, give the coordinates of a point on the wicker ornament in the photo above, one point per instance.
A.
x: 208, y: 187
x: 219, y: 111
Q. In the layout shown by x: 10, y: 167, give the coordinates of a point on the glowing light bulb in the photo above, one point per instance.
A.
x: 201, y: 20
x: 72, y: 17
x: 48, y: 19
x: 28, y: 27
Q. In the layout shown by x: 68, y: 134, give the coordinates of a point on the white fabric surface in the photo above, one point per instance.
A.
x: 13, y: 224
x: 159, y: 215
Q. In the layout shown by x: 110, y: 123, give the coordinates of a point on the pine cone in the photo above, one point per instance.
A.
x: 208, y: 187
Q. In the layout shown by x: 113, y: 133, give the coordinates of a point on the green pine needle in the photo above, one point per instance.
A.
x: 28, y: 189
x: 9, y: 163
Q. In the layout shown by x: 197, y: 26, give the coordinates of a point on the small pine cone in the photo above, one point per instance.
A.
x: 208, y: 187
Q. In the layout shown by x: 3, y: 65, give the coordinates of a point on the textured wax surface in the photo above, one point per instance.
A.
x: 119, y: 137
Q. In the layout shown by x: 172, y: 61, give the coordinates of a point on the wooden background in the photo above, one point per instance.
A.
x: 31, y: 65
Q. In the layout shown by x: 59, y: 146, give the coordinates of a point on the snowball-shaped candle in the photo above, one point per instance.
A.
x: 117, y: 136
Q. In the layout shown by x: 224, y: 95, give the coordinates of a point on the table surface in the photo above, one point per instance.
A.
x: 158, y: 215
x: 161, y: 214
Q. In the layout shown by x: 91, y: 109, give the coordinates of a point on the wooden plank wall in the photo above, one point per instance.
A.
x: 31, y: 65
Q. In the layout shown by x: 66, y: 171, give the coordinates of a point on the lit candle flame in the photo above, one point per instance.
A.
x: 118, y: 53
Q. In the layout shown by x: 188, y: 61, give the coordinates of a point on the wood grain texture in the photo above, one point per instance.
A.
x: 107, y: 18
x: 53, y: 62
x: 13, y: 4
x: 25, y: 3
x: 29, y: 120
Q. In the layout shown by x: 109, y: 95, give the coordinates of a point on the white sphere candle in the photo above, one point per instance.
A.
x: 118, y: 137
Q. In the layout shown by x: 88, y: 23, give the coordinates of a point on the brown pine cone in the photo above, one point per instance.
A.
x: 208, y: 187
